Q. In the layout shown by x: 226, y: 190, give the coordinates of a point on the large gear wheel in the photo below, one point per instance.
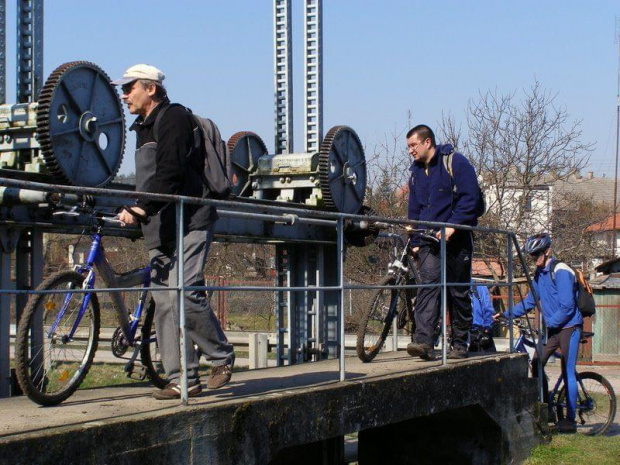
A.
x: 342, y: 170
x: 81, y: 125
x: 245, y: 148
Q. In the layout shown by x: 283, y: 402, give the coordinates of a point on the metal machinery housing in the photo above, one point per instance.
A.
x: 75, y: 134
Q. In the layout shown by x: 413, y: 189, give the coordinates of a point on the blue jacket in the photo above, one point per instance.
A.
x: 430, y: 195
x: 558, y: 300
x: 482, y: 307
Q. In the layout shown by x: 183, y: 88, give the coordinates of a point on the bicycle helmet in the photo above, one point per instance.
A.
x: 537, y: 243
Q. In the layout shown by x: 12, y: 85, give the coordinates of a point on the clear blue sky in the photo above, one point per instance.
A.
x: 382, y: 58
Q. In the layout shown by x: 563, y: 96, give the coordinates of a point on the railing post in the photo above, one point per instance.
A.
x: 181, y: 299
x: 340, y: 228
x: 510, y: 293
x: 444, y: 298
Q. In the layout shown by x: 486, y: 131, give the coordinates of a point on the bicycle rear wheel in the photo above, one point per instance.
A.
x: 376, y: 323
x: 149, y: 349
x: 596, y: 404
x: 50, y: 364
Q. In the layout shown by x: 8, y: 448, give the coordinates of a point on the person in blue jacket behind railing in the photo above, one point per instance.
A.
x: 481, y: 334
x: 437, y: 195
x: 558, y: 299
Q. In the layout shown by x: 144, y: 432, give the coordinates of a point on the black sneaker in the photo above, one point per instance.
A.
x: 457, y: 354
x: 173, y: 391
x: 424, y: 351
x: 567, y: 426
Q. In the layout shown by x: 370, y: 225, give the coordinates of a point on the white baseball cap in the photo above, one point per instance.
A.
x: 141, y: 71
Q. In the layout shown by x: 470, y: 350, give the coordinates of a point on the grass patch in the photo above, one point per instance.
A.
x: 577, y: 448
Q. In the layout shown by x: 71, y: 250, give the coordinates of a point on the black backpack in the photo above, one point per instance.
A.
x: 207, y: 140
x: 585, y: 295
x: 481, y: 208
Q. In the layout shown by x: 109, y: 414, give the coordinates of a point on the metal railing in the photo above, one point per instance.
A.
x: 287, y: 214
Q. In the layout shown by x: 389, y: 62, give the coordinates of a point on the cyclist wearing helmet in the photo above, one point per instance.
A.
x: 558, y: 298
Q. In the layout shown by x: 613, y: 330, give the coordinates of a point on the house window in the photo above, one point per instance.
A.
x: 528, y: 202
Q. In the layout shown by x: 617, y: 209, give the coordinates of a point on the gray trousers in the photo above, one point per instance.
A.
x: 201, y: 325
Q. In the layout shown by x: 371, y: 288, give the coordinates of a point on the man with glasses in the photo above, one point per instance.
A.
x: 167, y: 163
x: 555, y: 286
x: 448, y: 192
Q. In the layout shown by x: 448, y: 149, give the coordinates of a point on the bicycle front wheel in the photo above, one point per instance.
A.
x: 376, y: 323
x: 596, y: 403
x: 51, y: 357
x: 149, y: 349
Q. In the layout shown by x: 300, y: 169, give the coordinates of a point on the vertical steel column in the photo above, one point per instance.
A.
x: 2, y: 51
x: 283, y: 303
x: 444, y: 298
x: 330, y: 303
x: 29, y: 49
x: 341, y: 252
x: 283, y: 85
x: 5, y: 323
x: 313, y: 74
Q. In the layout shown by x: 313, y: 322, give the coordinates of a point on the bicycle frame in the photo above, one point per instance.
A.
x: 98, y: 260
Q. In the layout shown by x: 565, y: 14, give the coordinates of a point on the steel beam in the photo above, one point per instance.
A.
x: 313, y: 74
x: 283, y: 67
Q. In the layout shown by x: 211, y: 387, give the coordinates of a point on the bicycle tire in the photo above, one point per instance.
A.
x: 596, y: 403
x: 376, y: 323
x: 51, y: 372
x: 149, y: 349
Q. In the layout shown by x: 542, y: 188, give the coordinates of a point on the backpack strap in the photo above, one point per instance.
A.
x: 554, y: 263
x: 447, y: 163
x: 160, y: 115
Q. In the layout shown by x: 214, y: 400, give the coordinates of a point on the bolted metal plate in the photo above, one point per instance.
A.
x: 245, y: 148
x: 81, y: 125
x: 342, y: 170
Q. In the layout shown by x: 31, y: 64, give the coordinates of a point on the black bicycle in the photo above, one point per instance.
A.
x: 390, y: 302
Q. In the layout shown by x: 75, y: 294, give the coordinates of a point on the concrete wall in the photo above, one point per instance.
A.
x: 482, y: 410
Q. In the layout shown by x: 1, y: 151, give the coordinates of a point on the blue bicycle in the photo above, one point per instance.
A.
x: 596, y: 400
x: 58, y: 332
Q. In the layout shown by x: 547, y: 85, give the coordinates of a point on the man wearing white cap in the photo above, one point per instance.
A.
x: 166, y: 163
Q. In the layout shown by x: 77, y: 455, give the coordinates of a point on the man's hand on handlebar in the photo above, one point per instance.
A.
x: 449, y: 233
x: 130, y: 215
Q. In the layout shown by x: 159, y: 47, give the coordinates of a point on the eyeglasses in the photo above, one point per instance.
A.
x: 415, y: 145
x: 126, y: 88
x: 535, y: 255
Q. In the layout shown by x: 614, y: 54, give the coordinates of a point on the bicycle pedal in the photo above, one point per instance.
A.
x: 134, y: 372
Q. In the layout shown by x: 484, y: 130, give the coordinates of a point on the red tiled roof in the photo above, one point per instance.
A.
x: 606, y: 225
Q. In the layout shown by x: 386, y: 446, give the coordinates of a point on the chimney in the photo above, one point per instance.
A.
x: 590, y: 174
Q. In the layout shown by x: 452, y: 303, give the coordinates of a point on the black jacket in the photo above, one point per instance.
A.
x: 175, y: 169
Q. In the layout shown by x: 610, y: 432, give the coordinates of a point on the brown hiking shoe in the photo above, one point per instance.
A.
x: 220, y: 375
x: 424, y: 351
x: 173, y: 391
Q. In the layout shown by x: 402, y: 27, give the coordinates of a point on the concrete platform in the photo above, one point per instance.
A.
x: 264, y: 416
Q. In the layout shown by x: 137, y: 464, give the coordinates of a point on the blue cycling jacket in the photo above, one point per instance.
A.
x: 482, y: 307
x: 558, y: 299
x: 430, y: 194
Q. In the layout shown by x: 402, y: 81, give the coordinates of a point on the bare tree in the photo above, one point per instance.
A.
x: 519, y: 147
